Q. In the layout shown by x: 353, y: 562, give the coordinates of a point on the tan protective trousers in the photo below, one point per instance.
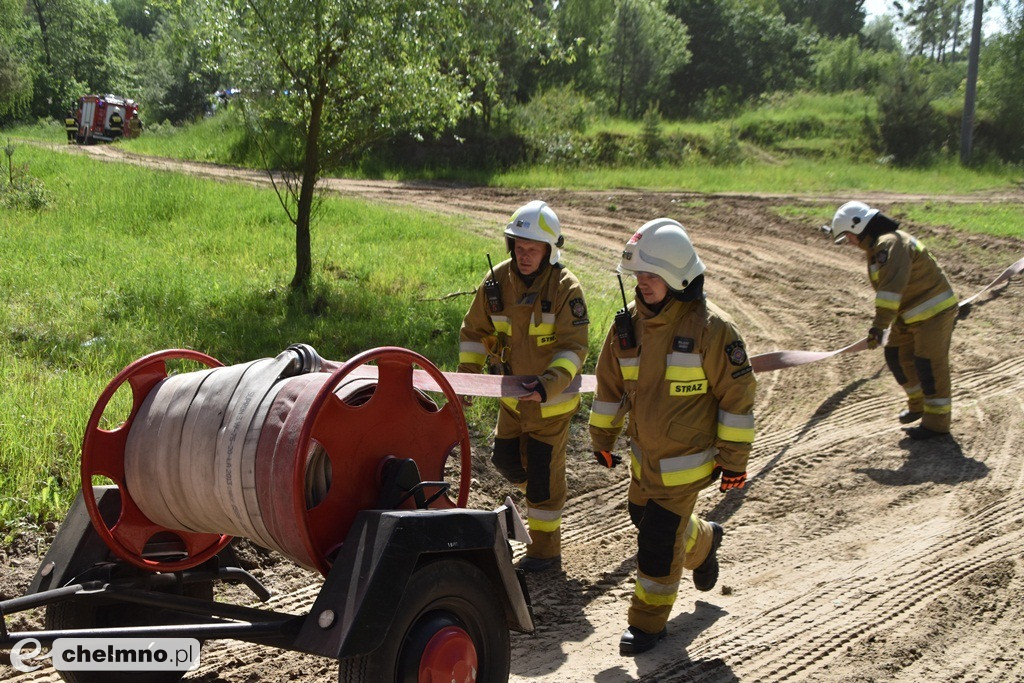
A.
x: 922, y: 352
x: 541, y: 467
x: 671, y: 538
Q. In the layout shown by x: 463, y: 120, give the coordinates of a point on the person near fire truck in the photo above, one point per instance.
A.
x: 116, y: 125
x: 71, y: 125
x: 913, y: 295
x: 529, y: 318
x: 676, y: 366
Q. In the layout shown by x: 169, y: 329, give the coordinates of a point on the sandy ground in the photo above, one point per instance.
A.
x: 853, y: 554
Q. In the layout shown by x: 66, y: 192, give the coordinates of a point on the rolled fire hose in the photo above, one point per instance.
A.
x: 284, y: 451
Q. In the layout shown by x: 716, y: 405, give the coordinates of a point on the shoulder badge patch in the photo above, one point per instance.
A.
x: 881, y: 257
x: 682, y: 344
x: 578, y: 308
x: 736, y: 353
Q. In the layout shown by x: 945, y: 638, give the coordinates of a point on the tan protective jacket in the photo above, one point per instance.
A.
x: 689, y: 390
x: 908, y: 282
x: 541, y: 330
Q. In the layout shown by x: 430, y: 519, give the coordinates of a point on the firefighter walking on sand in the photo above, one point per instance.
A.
x: 915, y: 297
x: 529, y: 318
x: 678, y: 367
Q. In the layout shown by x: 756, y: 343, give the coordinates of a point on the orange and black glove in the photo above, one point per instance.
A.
x: 874, y: 338
x: 730, y: 479
x: 607, y: 458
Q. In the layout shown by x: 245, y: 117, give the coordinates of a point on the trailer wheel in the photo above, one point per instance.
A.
x: 79, y: 614
x: 450, y: 626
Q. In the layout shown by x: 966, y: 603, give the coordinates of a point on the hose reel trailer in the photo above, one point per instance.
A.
x: 345, y: 468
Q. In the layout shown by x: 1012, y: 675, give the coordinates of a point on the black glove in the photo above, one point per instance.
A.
x: 874, y: 338
x: 536, y: 385
x: 607, y: 458
x: 730, y: 479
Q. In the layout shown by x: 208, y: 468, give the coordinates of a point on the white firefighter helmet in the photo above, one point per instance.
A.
x: 851, y: 217
x: 662, y: 247
x: 536, y: 221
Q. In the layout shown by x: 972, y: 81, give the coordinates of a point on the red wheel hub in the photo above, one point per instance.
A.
x: 449, y: 656
x: 103, y: 455
x: 357, y: 437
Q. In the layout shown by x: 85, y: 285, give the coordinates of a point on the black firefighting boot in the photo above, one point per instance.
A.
x: 908, y: 416
x: 540, y: 564
x: 706, y: 575
x: 634, y: 641
x: 921, y: 433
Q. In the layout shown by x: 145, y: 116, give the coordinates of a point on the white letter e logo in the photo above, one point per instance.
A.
x: 18, y: 659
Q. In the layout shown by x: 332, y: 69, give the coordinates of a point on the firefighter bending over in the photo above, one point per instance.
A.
x: 529, y: 318
x: 915, y: 297
x: 682, y: 376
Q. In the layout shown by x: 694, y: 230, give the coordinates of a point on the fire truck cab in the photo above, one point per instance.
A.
x: 105, y: 118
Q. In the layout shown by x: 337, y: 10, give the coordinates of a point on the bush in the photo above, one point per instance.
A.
x: 553, y: 123
x: 650, y: 133
x: 909, y: 128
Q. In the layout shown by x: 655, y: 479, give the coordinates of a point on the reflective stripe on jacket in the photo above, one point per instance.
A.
x: 689, y: 390
x: 543, y: 327
x: 908, y: 282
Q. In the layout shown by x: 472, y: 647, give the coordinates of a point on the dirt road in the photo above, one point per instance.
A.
x: 853, y: 554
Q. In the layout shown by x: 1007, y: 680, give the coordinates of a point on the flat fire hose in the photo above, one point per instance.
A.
x: 510, y: 386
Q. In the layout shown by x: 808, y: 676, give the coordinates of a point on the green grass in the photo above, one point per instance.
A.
x: 219, y: 139
x: 127, y: 261
x: 1003, y: 220
x: 792, y: 176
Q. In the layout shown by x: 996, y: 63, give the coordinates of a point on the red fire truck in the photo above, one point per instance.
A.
x: 104, y: 118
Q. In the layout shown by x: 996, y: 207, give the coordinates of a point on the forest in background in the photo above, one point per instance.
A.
x: 486, y: 84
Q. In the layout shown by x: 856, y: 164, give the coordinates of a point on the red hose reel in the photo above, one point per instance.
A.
x: 316, y: 464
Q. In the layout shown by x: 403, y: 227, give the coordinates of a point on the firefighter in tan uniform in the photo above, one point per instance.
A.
x: 682, y: 375
x: 71, y: 126
x: 529, y: 318
x: 915, y: 297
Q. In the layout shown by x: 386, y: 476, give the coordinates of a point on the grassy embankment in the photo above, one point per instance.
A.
x: 801, y: 143
x: 126, y: 261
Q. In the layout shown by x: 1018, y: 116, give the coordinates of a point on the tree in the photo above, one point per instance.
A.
x: 510, y: 41
x: 967, y: 127
x: 831, y: 18
x: 579, y: 25
x: 744, y: 49
x: 15, y: 78
x: 641, y: 47
x: 936, y: 26
x: 1003, y: 90
x: 880, y: 34
x: 76, y: 46
x: 339, y: 74
x: 179, y: 75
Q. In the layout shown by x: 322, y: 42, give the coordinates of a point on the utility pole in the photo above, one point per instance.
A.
x: 967, y: 125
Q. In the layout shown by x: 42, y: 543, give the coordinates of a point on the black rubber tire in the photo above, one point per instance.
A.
x: 72, y: 614
x: 443, y: 592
